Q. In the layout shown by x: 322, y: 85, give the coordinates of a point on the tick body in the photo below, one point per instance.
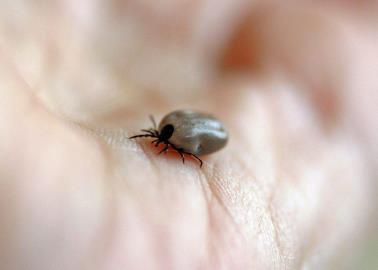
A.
x: 188, y: 132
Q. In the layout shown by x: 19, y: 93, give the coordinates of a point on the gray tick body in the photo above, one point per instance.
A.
x: 188, y: 132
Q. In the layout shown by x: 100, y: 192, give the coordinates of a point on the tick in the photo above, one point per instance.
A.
x: 187, y: 132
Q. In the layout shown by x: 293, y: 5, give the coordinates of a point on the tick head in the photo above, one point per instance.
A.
x: 166, y: 132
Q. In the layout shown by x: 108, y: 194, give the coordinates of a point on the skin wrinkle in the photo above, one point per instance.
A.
x: 220, y: 191
x: 260, y: 228
x: 311, y: 246
x: 268, y: 213
x: 310, y: 243
x: 250, y: 172
x: 135, y: 201
x: 111, y: 221
x: 137, y: 226
x: 287, y: 255
x: 114, y: 206
x: 212, y: 198
x: 213, y: 183
x: 216, y: 191
x: 348, y: 155
x: 208, y: 236
x: 224, y: 247
x: 214, y: 250
x: 151, y: 156
x: 271, y: 209
x: 104, y: 208
x: 241, y: 225
x: 198, y: 183
x: 110, y: 218
x: 120, y: 188
x: 274, y: 109
x: 36, y: 115
x: 313, y: 241
x: 108, y: 228
x: 276, y: 232
x: 231, y: 252
x: 143, y: 147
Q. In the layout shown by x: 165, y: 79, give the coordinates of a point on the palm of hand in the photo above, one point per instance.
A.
x: 89, y: 198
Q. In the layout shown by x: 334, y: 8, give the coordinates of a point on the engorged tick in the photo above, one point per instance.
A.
x: 187, y: 132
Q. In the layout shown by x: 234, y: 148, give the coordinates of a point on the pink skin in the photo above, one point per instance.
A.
x: 295, y: 85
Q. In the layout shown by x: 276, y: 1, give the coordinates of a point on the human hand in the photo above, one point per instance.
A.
x: 292, y: 189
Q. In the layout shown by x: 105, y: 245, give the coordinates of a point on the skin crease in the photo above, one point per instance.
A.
x: 294, y: 84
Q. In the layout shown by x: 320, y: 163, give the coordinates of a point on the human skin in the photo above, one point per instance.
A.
x: 295, y: 86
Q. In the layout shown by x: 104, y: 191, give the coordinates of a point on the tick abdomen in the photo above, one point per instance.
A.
x: 195, y: 132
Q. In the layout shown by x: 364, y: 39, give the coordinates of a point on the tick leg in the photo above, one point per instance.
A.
x: 141, y: 136
x: 154, y: 141
x: 152, y: 132
x: 182, y: 156
x: 148, y: 131
x: 153, y: 121
x: 180, y: 151
x: 190, y: 154
x: 200, y: 160
x: 164, y: 150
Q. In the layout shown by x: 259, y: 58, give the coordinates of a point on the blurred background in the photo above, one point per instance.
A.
x: 98, y: 62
